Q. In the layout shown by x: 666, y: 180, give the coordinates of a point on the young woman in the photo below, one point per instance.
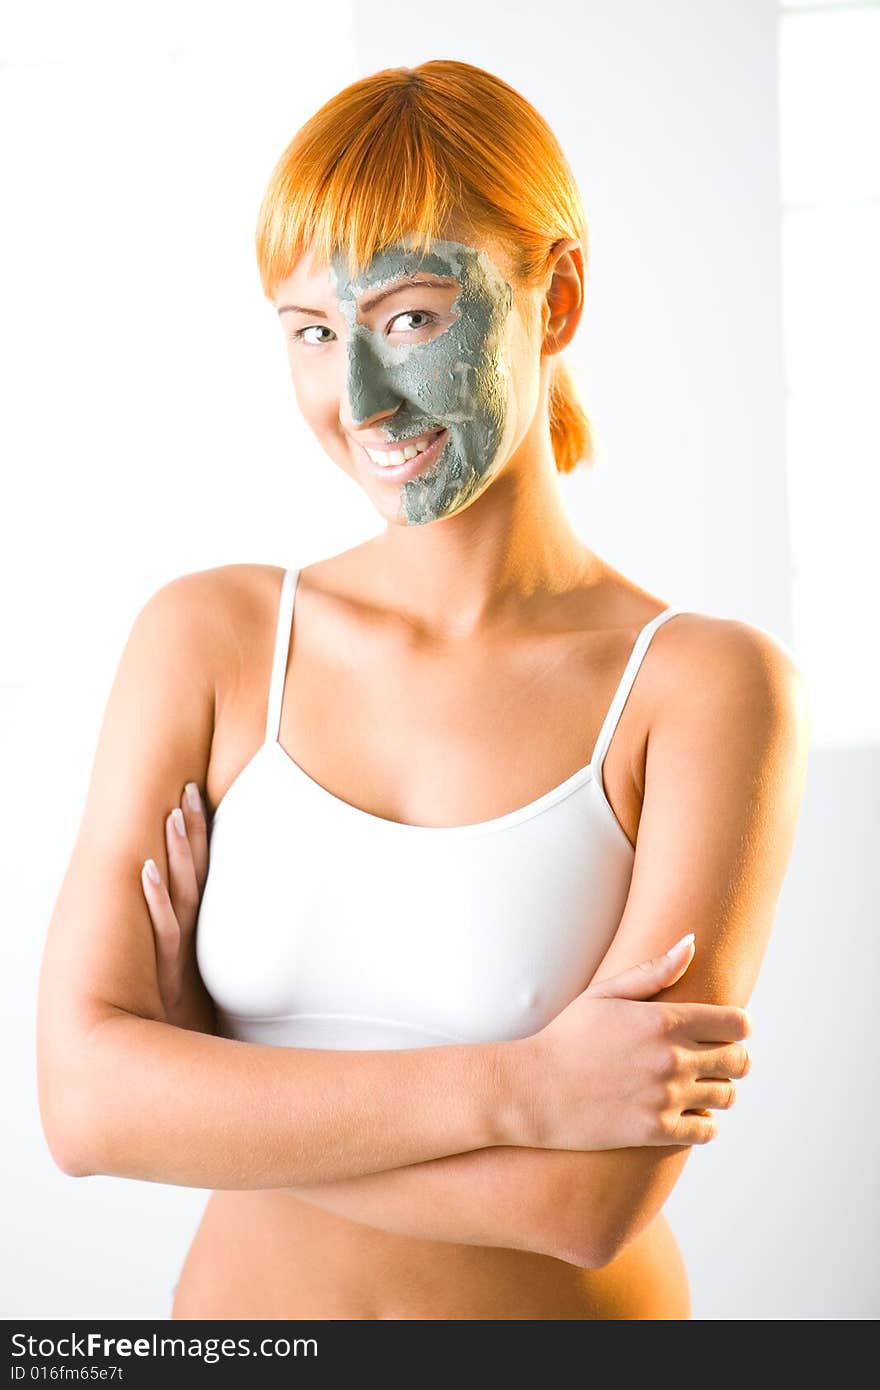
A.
x: 410, y: 1016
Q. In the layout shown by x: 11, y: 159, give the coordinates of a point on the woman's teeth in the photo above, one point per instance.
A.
x: 386, y: 458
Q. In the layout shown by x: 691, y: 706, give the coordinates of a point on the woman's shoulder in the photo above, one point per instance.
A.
x: 726, y: 669
x: 698, y: 653
x: 236, y: 582
x: 694, y: 635
x: 207, y: 599
x: 213, y: 616
x: 721, y: 647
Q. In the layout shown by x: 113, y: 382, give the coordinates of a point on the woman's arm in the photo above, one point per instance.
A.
x: 121, y: 1090
x: 725, y: 771
x: 167, y: 1104
x: 116, y: 1081
x: 725, y: 775
x: 495, y: 1196
x: 124, y: 1092
x: 512, y: 1218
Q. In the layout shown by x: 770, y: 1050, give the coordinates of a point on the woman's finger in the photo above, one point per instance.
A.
x: 693, y: 1127
x: 182, y: 886
x: 166, y: 929
x: 709, y: 1062
x: 197, y: 831
x: 714, y: 1095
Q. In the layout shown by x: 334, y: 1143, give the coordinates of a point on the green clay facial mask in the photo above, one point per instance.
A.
x: 458, y: 380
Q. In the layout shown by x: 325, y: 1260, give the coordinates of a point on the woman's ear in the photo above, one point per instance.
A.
x: 564, y: 298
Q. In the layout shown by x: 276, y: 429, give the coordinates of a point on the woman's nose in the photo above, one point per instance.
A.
x: 370, y: 384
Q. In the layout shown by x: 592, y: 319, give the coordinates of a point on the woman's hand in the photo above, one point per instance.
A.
x: 174, y: 911
x: 618, y: 1069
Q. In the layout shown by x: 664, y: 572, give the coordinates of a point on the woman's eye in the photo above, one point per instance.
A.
x: 413, y: 314
x: 300, y: 334
x: 418, y: 320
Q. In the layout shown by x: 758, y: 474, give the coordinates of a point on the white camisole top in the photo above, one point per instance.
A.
x: 323, y: 925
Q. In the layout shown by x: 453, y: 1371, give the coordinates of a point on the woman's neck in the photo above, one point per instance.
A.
x: 477, y: 570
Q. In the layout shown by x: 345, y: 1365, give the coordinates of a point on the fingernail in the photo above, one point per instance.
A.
x: 193, y: 800
x: 679, y: 946
x: 179, y: 822
x: 151, y: 871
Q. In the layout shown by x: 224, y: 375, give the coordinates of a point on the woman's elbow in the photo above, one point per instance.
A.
x: 63, y: 1112
x: 600, y: 1245
x: 574, y: 1247
x: 61, y: 1132
x: 580, y: 1243
x: 566, y: 1231
x: 581, y: 1249
x: 66, y: 1155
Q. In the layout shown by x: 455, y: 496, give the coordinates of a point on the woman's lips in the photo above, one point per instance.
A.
x: 402, y: 472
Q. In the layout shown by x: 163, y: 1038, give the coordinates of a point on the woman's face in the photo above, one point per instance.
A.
x: 419, y: 376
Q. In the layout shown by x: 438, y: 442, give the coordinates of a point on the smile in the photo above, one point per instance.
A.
x: 402, y: 450
x: 397, y: 465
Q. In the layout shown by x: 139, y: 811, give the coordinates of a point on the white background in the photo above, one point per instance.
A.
x: 149, y: 429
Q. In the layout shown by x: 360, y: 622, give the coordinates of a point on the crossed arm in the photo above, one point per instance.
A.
x: 725, y: 766
x: 724, y: 778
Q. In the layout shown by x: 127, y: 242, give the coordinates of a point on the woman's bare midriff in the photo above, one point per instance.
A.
x: 267, y: 1254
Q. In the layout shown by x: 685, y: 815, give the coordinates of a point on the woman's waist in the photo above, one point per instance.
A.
x: 306, y: 1258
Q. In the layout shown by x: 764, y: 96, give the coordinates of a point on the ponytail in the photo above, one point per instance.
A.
x: 570, y: 431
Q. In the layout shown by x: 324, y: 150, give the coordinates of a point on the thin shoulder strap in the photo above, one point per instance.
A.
x: 621, y: 695
x: 282, y: 647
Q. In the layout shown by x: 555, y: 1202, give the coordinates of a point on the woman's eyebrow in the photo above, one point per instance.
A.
x: 301, y: 309
x: 368, y: 301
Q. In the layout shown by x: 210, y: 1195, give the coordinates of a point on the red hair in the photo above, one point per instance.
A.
x: 408, y: 150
